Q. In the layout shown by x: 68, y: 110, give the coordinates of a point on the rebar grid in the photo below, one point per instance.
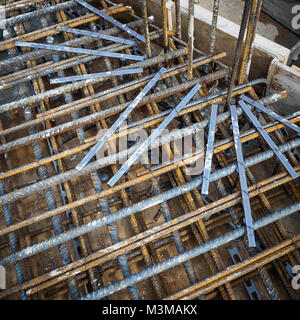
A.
x: 103, y: 241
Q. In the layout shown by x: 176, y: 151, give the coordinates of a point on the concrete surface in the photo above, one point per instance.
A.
x: 265, y: 50
x: 281, y: 77
x: 267, y: 27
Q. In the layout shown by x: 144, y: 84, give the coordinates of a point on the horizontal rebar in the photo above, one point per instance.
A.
x: 101, y: 115
x: 137, y: 207
x: 189, y: 254
x: 237, y: 270
x: 38, y: 34
x: 78, y: 85
x: 103, y: 255
x: 75, y: 42
x: 39, y: 12
x: 37, y: 187
x: 96, y: 165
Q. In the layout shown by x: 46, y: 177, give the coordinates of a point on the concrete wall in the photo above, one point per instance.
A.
x: 264, y: 50
x: 281, y: 77
x: 282, y: 11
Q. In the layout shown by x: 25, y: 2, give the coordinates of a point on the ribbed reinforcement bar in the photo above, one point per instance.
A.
x: 192, y: 253
x: 142, y: 205
x: 242, y: 176
x: 98, y: 35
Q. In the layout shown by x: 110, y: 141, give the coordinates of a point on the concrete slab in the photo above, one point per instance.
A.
x: 227, y: 34
x: 265, y: 50
x: 281, y: 77
x: 267, y: 26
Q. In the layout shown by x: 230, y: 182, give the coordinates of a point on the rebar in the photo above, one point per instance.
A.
x: 236, y: 58
x: 242, y: 176
x: 142, y: 205
x: 209, y: 149
x: 142, y: 148
x: 96, y: 75
x: 111, y: 20
x: 47, y: 126
x: 169, y: 263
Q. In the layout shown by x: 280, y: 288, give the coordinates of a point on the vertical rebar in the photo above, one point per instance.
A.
x: 112, y: 230
x: 248, y: 40
x: 176, y: 237
x: 238, y: 50
x: 51, y: 203
x: 165, y: 25
x: 65, y: 188
x: 191, y: 21
x: 6, y: 211
x: 214, y: 25
x: 12, y: 241
x: 103, y: 202
x: 249, y: 59
x: 178, y: 19
x: 146, y: 29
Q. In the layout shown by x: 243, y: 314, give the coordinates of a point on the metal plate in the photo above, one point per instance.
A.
x: 209, y: 149
x: 124, y: 115
x: 268, y: 140
x: 97, y: 35
x: 112, y: 20
x: 141, y: 149
x: 242, y: 177
x: 271, y: 113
